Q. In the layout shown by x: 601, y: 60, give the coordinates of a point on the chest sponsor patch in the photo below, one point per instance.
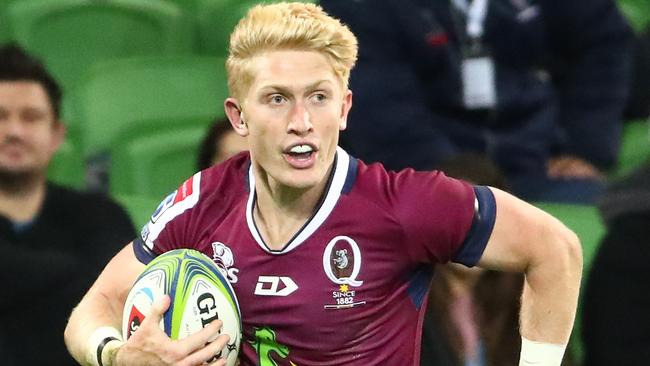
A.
x: 275, y: 286
x: 184, y: 191
x: 342, y: 264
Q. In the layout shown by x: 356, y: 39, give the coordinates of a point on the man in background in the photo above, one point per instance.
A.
x: 536, y: 86
x: 54, y: 241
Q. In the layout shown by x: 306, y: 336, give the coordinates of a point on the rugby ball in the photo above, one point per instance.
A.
x: 199, y: 293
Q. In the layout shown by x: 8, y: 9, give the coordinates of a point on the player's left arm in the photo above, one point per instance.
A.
x: 528, y: 240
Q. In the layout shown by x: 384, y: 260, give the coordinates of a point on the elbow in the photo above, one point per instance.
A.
x: 574, y: 249
x: 69, y: 331
x: 569, y: 252
x: 558, y: 253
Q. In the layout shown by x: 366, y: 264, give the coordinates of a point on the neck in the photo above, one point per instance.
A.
x: 280, y: 211
x: 21, y: 202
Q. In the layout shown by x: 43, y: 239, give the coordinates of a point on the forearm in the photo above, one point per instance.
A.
x: 529, y: 240
x: 102, y: 306
x: 550, y: 295
x: 93, y: 312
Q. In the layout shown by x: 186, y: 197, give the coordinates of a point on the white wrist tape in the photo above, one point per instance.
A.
x: 102, y: 339
x: 540, y: 353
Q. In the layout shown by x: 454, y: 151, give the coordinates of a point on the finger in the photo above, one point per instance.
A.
x: 202, y: 337
x: 159, y: 307
x: 209, y: 351
x: 581, y: 172
x: 218, y: 362
x: 569, y: 168
x: 580, y: 169
x: 587, y: 170
x: 555, y: 167
x: 156, y: 312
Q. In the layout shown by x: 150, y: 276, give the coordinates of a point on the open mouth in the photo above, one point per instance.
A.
x: 302, y: 152
x: 301, y: 156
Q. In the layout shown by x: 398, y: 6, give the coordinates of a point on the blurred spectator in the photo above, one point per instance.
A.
x: 617, y: 294
x: 473, y: 314
x: 472, y: 317
x: 220, y: 143
x: 54, y: 241
x: 537, y: 85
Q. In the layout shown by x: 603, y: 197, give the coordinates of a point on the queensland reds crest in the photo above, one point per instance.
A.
x: 342, y: 261
x: 225, y: 260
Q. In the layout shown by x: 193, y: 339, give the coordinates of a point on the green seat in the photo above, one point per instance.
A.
x: 637, y: 12
x: 67, y: 167
x: 69, y: 35
x: 155, y: 164
x: 139, y: 208
x: 136, y: 101
x: 635, y: 147
x: 216, y: 19
x: 141, y: 95
x: 5, y: 33
x: 188, y: 6
x: 586, y: 222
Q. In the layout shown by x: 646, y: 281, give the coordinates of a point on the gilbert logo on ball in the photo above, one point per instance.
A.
x: 199, y: 294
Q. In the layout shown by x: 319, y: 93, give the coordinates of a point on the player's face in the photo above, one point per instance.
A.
x: 29, y: 135
x: 292, y: 114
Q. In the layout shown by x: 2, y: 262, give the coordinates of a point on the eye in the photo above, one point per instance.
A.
x: 319, y: 97
x: 32, y: 115
x: 276, y: 99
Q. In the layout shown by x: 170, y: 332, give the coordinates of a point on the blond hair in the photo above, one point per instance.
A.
x: 288, y: 26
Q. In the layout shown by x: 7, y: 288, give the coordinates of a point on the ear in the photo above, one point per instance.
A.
x: 58, y: 135
x: 236, y: 116
x: 345, y: 110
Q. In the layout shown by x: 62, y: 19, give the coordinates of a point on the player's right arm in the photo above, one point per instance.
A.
x: 99, y: 315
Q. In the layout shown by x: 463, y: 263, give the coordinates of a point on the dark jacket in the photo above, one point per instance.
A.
x: 617, y: 293
x: 561, y: 76
x: 47, y: 267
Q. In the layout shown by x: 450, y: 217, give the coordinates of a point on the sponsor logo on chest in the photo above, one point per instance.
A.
x: 275, y: 286
x: 341, y: 265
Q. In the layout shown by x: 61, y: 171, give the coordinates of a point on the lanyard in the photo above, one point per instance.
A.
x: 475, y: 12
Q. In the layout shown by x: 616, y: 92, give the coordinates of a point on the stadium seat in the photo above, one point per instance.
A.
x: 139, y: 208
x: 216, y: 19
x: 635, y: 147
x: 127, y: 94
x: 586, y: 222
x: 155, y: 164
x: 188, y: 6
x: 130, y: 99
x: 4, y: 27
x: 67, y: 167
x: 69, y: 35
x: 637, y: 12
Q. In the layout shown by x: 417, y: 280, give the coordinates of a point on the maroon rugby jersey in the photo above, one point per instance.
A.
x: 350, y: 286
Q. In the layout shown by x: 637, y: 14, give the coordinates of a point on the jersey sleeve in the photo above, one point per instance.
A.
x: 167, y: 227
x: 443, y: 219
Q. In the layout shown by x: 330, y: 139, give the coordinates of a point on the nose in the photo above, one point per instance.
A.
x: 300, y: 122
x: 13, y: 127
